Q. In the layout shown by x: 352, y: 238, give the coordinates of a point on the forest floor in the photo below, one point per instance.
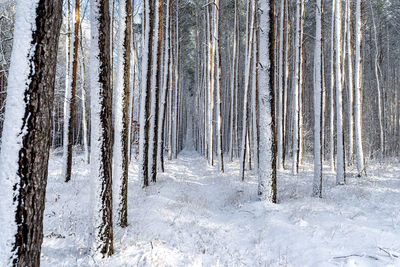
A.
x: 194, y: 216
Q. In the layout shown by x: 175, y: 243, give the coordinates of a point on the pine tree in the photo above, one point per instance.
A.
x: 121, y: 139
x: 267, y: 167
x: 26, y: 133
x: 101, y: 132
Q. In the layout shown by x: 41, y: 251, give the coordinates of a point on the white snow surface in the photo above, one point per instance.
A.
x: 195, y: 216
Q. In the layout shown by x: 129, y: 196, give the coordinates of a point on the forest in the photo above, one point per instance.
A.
x: 199, y: 132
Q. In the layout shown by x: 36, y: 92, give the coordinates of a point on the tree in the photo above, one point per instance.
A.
x: 296, y: 83
x: 121, y: 138
x: 71, y: 113
x: 67, y: 156
x: 282, y: 52
x: 267, y: 166
x: 101, y: 132
x: 245, y: 121
x: 145, y: 92
x: 340, y: 166
x: 358, y: 91
x: 27, y: 125
x: 155, y: 90
x: 318, y: 85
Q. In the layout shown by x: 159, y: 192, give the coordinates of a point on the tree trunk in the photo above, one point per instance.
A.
x: 155, y: 90
x: 267, y: 167
x: 318, y: 85
x: 145, y: 94
x: 101, y: 132
x: 26, y: 132
x: 121, y: 138
x: 340, y: 166
x: 358, y: 92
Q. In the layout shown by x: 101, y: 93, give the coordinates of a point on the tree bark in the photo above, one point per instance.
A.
x: 27, y: 130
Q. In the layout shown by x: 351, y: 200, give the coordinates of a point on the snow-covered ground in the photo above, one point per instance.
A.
x: 195, y: 216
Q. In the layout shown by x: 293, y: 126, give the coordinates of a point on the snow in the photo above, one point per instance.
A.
x: 195, y: 216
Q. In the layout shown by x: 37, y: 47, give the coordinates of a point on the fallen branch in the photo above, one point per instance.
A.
x: 389, y: 253
x: 356, y: 255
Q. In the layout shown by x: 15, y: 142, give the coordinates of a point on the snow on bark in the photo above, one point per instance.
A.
x: 218, y: 88
x: 358, y: 92
x: 165, y: 86
x: 296, y: 81
x: 68, y: 93
x: 332, y: 92
x: 155, y: 91
x: 101, y: 121
x: 350, y: 84
x: 246, y: 95
x: 121, y: 133
x: 280, y: 87
x: 267, y: 157
x: 144, y: 95
x: 318, y: 84
x: 13, y: 128
x: 340, y: 168
x: 26, y: 131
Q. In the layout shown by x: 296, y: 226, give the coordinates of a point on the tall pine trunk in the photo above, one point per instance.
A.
x: 121, y: 138
x: 358, y: 92
x: 267, y: 167
x: 318, y: 85
x: 26, y: 132
x: 101, y: 121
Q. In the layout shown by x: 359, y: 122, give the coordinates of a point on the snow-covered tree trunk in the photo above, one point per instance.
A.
x: 210, y: 86
x: 350, y: 84
x: 155, y: 90
x: 84, y: 108
x: 121, y: 130
x: 165, y: 86
x: 245, y: 121
x: 254, y: 92
x: 332, y: 92
x: 101, y: 121
x: 234, y: 83
x: 218, y: 87
x: 282, y: 52
x: 177, y: 89
x: 286, y: 85
x: 145, y: 93
x: 340, y: 166
x: 68, y: 94
x: 378, y: 87
x: 318, y: 85
x: 296, y: 82
x: 27, y: 131
x: 358, y: 91
x: 301, y: 86
x: 267, y: 166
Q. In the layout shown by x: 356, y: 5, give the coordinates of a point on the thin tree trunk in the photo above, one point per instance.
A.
x: 340, y: 166
x: 358, y: 92
x: 121, y: 139
x: 155, y: 90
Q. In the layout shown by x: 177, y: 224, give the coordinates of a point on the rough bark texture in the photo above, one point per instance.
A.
x: 34, y: 154
x: 102, y: 137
